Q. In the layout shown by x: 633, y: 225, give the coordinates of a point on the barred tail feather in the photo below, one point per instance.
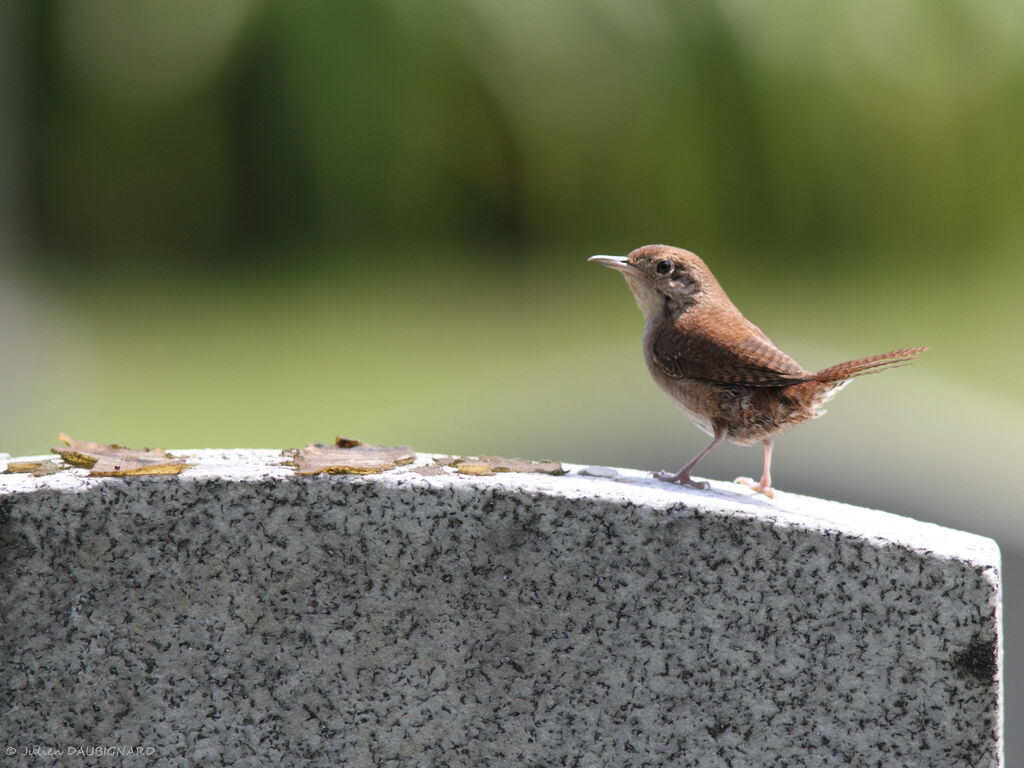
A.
x: 864, y: 365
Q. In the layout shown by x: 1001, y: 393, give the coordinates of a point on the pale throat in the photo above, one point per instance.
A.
x: 649, y: 299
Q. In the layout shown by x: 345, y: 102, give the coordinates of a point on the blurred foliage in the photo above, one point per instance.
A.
x: 219, y: 133
x: 217, y: 171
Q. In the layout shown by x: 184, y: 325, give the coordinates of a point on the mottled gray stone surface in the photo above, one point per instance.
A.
x: 239, y: 615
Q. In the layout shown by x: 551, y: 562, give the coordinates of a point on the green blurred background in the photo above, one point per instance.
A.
x: 245, y: 223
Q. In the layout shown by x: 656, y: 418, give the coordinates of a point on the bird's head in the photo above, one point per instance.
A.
x: 661, y: 277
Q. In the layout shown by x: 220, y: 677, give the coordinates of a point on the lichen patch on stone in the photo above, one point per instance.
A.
x: 116, y: 460
x: 35, y: 468
x: 489, y: 465
x: 348, y: 457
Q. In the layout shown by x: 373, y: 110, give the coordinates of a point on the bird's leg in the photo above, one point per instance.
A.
x: 683, y: 475
x: 765, y: 484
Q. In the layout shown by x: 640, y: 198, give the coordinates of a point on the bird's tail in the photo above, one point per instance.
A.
x: 864, y: 365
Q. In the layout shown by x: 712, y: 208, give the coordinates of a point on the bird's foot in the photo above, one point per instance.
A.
x: 681, y: 478
x: 755, y: 485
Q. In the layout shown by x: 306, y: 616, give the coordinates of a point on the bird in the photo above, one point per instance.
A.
x: 719, y: 368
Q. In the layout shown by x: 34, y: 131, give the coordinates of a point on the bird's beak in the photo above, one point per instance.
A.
x: 616, y: 262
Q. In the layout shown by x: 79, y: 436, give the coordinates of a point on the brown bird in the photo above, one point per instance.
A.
x: 720, y: 368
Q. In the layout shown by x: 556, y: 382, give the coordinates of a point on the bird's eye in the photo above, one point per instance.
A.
x: 663, y: 267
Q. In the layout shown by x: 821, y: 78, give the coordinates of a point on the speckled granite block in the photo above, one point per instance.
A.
x: 240, y: 615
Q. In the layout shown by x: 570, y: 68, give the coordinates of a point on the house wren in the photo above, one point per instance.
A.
x: 718, y: 367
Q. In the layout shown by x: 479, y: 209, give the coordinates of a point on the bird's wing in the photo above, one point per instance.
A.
x: 725, y: 348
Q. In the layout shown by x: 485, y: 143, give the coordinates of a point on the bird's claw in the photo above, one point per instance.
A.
x: 675, y: 477
x: 757, y: 486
